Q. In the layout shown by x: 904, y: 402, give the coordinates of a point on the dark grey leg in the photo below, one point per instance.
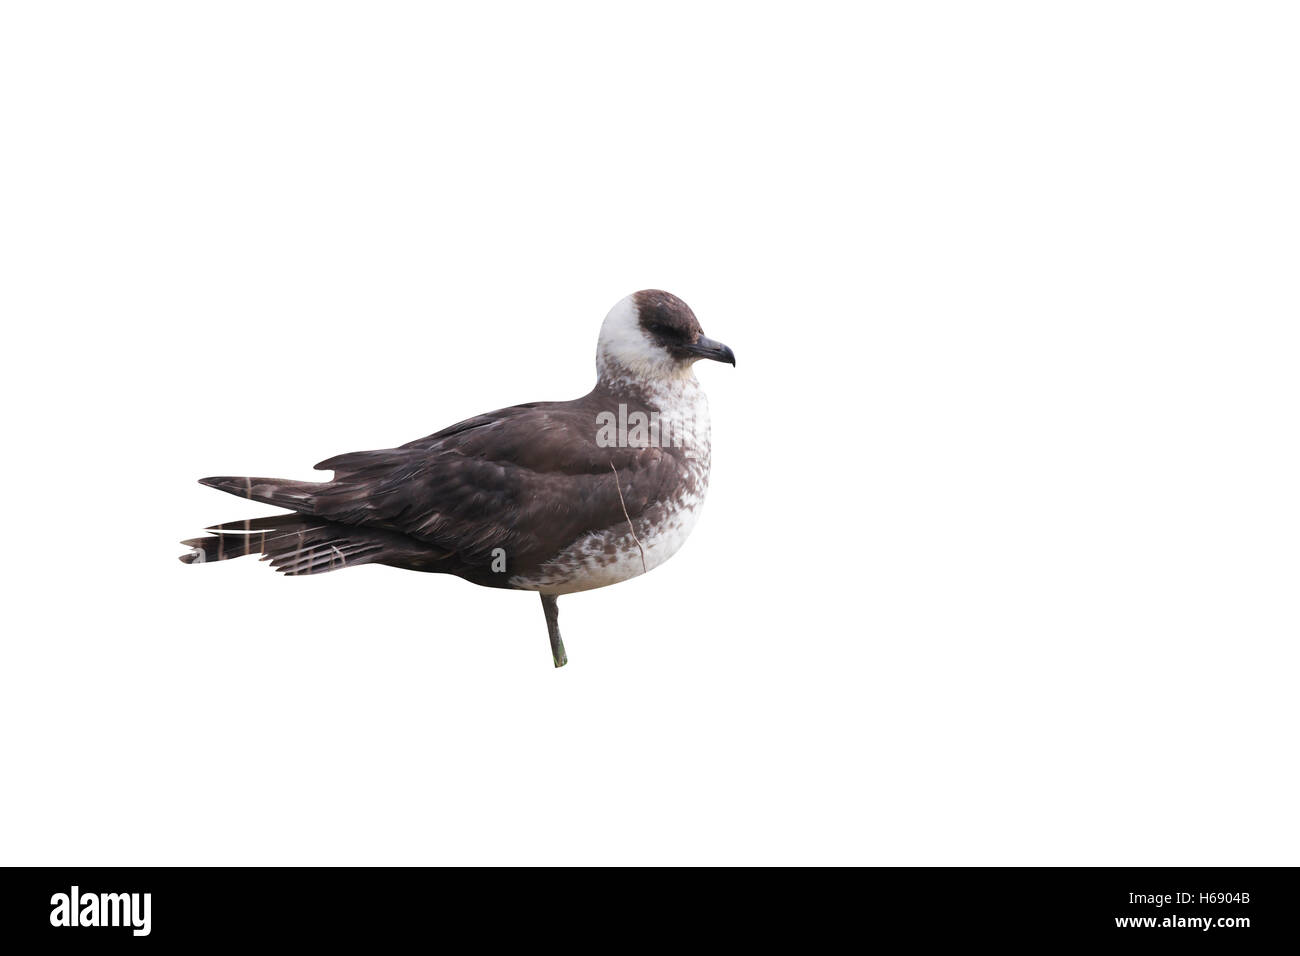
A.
x: 551, y: 605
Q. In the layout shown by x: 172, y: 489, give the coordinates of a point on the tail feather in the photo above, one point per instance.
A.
x: 325, y: 556
x: 268, y: 523
x: 281, y: 492
x: 294, y: 544
x: 302, y: 542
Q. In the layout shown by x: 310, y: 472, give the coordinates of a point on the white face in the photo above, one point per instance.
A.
x: 624, y: 350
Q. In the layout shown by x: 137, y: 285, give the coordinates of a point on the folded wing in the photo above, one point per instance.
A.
x: 529, y: 479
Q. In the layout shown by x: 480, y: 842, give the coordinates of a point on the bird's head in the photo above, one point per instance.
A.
x: 653, y: 335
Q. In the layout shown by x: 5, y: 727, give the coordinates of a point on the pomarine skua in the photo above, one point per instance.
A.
x: 552, y: 497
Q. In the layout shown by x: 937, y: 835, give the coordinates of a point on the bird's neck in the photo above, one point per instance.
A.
x: 678, y: 410
x: 660, y: 392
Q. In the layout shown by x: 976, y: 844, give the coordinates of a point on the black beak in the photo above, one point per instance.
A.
x: 709, y: 349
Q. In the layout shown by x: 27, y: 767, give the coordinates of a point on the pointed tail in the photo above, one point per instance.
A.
x: 294, y: 544
x: 281, y: 492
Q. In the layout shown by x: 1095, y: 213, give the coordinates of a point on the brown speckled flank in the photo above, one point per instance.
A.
x: 525, y: 497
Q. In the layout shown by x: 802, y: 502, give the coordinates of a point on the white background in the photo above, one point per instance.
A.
x: 999, y: 563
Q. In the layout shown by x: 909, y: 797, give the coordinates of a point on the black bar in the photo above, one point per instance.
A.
x: 234, y: 906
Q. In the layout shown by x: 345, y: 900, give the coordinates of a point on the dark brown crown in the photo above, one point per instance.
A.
x: 667, y: 319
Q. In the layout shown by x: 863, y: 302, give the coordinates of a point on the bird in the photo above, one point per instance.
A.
x: 551, y: 497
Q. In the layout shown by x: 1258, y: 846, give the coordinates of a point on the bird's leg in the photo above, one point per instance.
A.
x: 551, y: 605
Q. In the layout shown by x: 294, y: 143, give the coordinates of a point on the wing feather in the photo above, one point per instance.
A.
x: 528, y: 479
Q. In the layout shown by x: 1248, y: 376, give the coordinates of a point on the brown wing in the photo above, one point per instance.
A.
x: 528, y: 479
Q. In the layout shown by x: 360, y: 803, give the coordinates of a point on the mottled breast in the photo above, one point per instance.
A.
x: 608, y: 555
